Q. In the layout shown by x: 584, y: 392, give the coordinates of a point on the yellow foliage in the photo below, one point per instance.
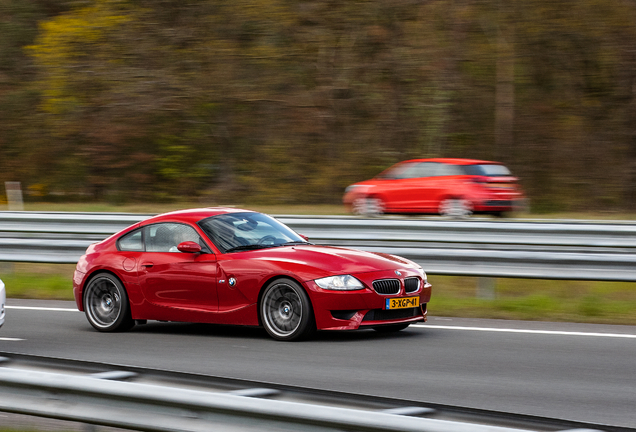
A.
x: 38, y: 190
x: 59, y: 45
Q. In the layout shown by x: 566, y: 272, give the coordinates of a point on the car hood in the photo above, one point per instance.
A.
x: 366, y: 184
x: 311, y: 262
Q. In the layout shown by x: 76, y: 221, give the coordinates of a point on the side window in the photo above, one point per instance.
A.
x: 165, y: 237
x: 399, y: 171
x: 449, y: 170
x: 426, y: 169
x: 131, y: 242
x: 411, y: 171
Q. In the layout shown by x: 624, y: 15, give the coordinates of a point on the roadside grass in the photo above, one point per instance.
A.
x: 150, y: 208
x: 300, y: 209
x: 536, y: 300
x: 38, y: 281
x: 453, y: 296
x: 589, y: 215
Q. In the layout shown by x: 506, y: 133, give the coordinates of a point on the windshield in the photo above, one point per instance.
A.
x: 489, y: 170
x: 246, y: 231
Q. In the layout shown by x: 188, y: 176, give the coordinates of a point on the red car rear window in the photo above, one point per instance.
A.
x: 488, y: 170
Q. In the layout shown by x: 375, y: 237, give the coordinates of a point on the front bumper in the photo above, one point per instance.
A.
x: 78, y: 283
x: 351, y: 310
x: 499, y: 204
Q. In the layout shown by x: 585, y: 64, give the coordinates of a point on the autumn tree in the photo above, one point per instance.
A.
x: 278, y: 101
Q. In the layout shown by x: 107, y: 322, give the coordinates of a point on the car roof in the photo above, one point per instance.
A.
x: 453, y: 161
x: 192, y: 215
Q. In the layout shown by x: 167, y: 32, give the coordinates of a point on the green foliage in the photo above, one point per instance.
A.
x: 277, y: 101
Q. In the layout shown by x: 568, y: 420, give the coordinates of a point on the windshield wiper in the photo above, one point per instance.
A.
x: 247, y: 247
x: 296, y: 242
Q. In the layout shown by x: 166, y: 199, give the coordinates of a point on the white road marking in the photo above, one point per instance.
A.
x: 545, y: 332
x: 10, y: 339
x: 41, y: 308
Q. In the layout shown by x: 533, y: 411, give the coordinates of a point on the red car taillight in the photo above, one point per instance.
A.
x: 495, y: 184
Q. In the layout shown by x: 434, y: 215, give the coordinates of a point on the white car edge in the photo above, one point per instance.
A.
x: 2, y: 301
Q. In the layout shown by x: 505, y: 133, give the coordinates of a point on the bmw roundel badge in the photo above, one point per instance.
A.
x: 397, y: 272
x: 232, y: 281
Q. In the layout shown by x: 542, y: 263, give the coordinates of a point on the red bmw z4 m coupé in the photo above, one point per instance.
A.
x: 229, y: 266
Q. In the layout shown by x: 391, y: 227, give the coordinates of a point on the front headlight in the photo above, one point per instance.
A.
x: 422, y: 272
x: 340, y: 283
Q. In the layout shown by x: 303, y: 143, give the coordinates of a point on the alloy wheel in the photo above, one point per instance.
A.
x: 106, y: 304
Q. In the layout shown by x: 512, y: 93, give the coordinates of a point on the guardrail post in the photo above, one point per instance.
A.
x: 486, y: 288
x: 14, y: 196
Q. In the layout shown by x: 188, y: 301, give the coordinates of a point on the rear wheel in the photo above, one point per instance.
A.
x: 391, y: 328
x: 455, y: 208
x: 286, y: 311
x: 106, y: 304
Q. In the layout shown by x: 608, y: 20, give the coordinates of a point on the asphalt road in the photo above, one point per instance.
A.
x: 570, y: 371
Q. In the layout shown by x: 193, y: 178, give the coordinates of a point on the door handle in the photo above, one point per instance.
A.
x: 147, y: 264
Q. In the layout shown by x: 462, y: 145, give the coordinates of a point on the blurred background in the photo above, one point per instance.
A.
x: 288, y: 101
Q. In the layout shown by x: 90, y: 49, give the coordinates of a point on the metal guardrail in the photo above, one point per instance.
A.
x: 97, y: 399
x: 476, y: 247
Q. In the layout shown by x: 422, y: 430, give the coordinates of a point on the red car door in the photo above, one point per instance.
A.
x: 442, y: 185
x: 174, y: 279
x: 422, y: 187
x: 405, y: 191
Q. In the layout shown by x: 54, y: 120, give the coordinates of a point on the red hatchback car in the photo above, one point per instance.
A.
x: 229, y: 266
x: 450, y: 187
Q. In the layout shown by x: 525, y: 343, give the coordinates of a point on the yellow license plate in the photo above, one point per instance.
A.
x: 402, y: 302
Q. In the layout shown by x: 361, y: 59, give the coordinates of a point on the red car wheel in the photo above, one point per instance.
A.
x: 368, y: 206
x: 455, y: 207
x: 286, y: 311
x: 106, y: 304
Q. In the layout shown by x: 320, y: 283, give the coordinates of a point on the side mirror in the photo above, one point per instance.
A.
x: 189, y: 247
x: 304, y: 237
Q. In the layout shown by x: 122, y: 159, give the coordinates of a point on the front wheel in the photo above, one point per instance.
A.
x: 368, y: 206
x: 106, y: 304
x: 376, y: 206
x: 391, y: 328
x: 286, y: 311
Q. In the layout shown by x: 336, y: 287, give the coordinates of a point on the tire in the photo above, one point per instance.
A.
x: 286, y: 312
x: 106, y: 304
x: 391, y: 328
x: 375, y: 206
x: 359, y: 206
x: 455, y: 208
x: 368, y: 206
